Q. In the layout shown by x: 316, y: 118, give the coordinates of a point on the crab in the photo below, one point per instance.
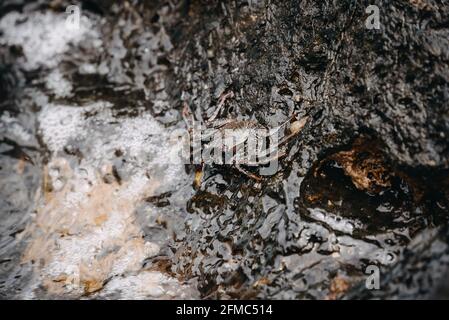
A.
x: 244, y: 143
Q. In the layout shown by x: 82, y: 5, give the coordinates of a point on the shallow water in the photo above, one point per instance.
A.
x: 97, y: 202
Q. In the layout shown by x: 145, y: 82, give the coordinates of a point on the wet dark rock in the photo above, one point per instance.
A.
x: 317, y: 58
x: 364, y: 184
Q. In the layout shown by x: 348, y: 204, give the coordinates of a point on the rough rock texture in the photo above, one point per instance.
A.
x: 319, y: 56
x: 364, y: 184
x: 388, y: 87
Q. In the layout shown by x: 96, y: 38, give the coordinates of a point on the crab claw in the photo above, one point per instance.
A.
x: 298, y: 125
x: 186, y: 110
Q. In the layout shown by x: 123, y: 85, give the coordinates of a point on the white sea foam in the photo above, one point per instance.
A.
x: 154, y: 165
x: 88, y: 227
x: 11, y: 127
x: 58, y: 85
x: 42, y: 36
x: 148, y: 285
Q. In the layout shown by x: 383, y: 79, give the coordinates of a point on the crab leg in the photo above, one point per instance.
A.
x: 187, y: 115
x: 247, y: 173
x: 265, y: 157
x: 194, y: 133
x: 270, y: 132
x: 221, y: 103
x: 295, y: 129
